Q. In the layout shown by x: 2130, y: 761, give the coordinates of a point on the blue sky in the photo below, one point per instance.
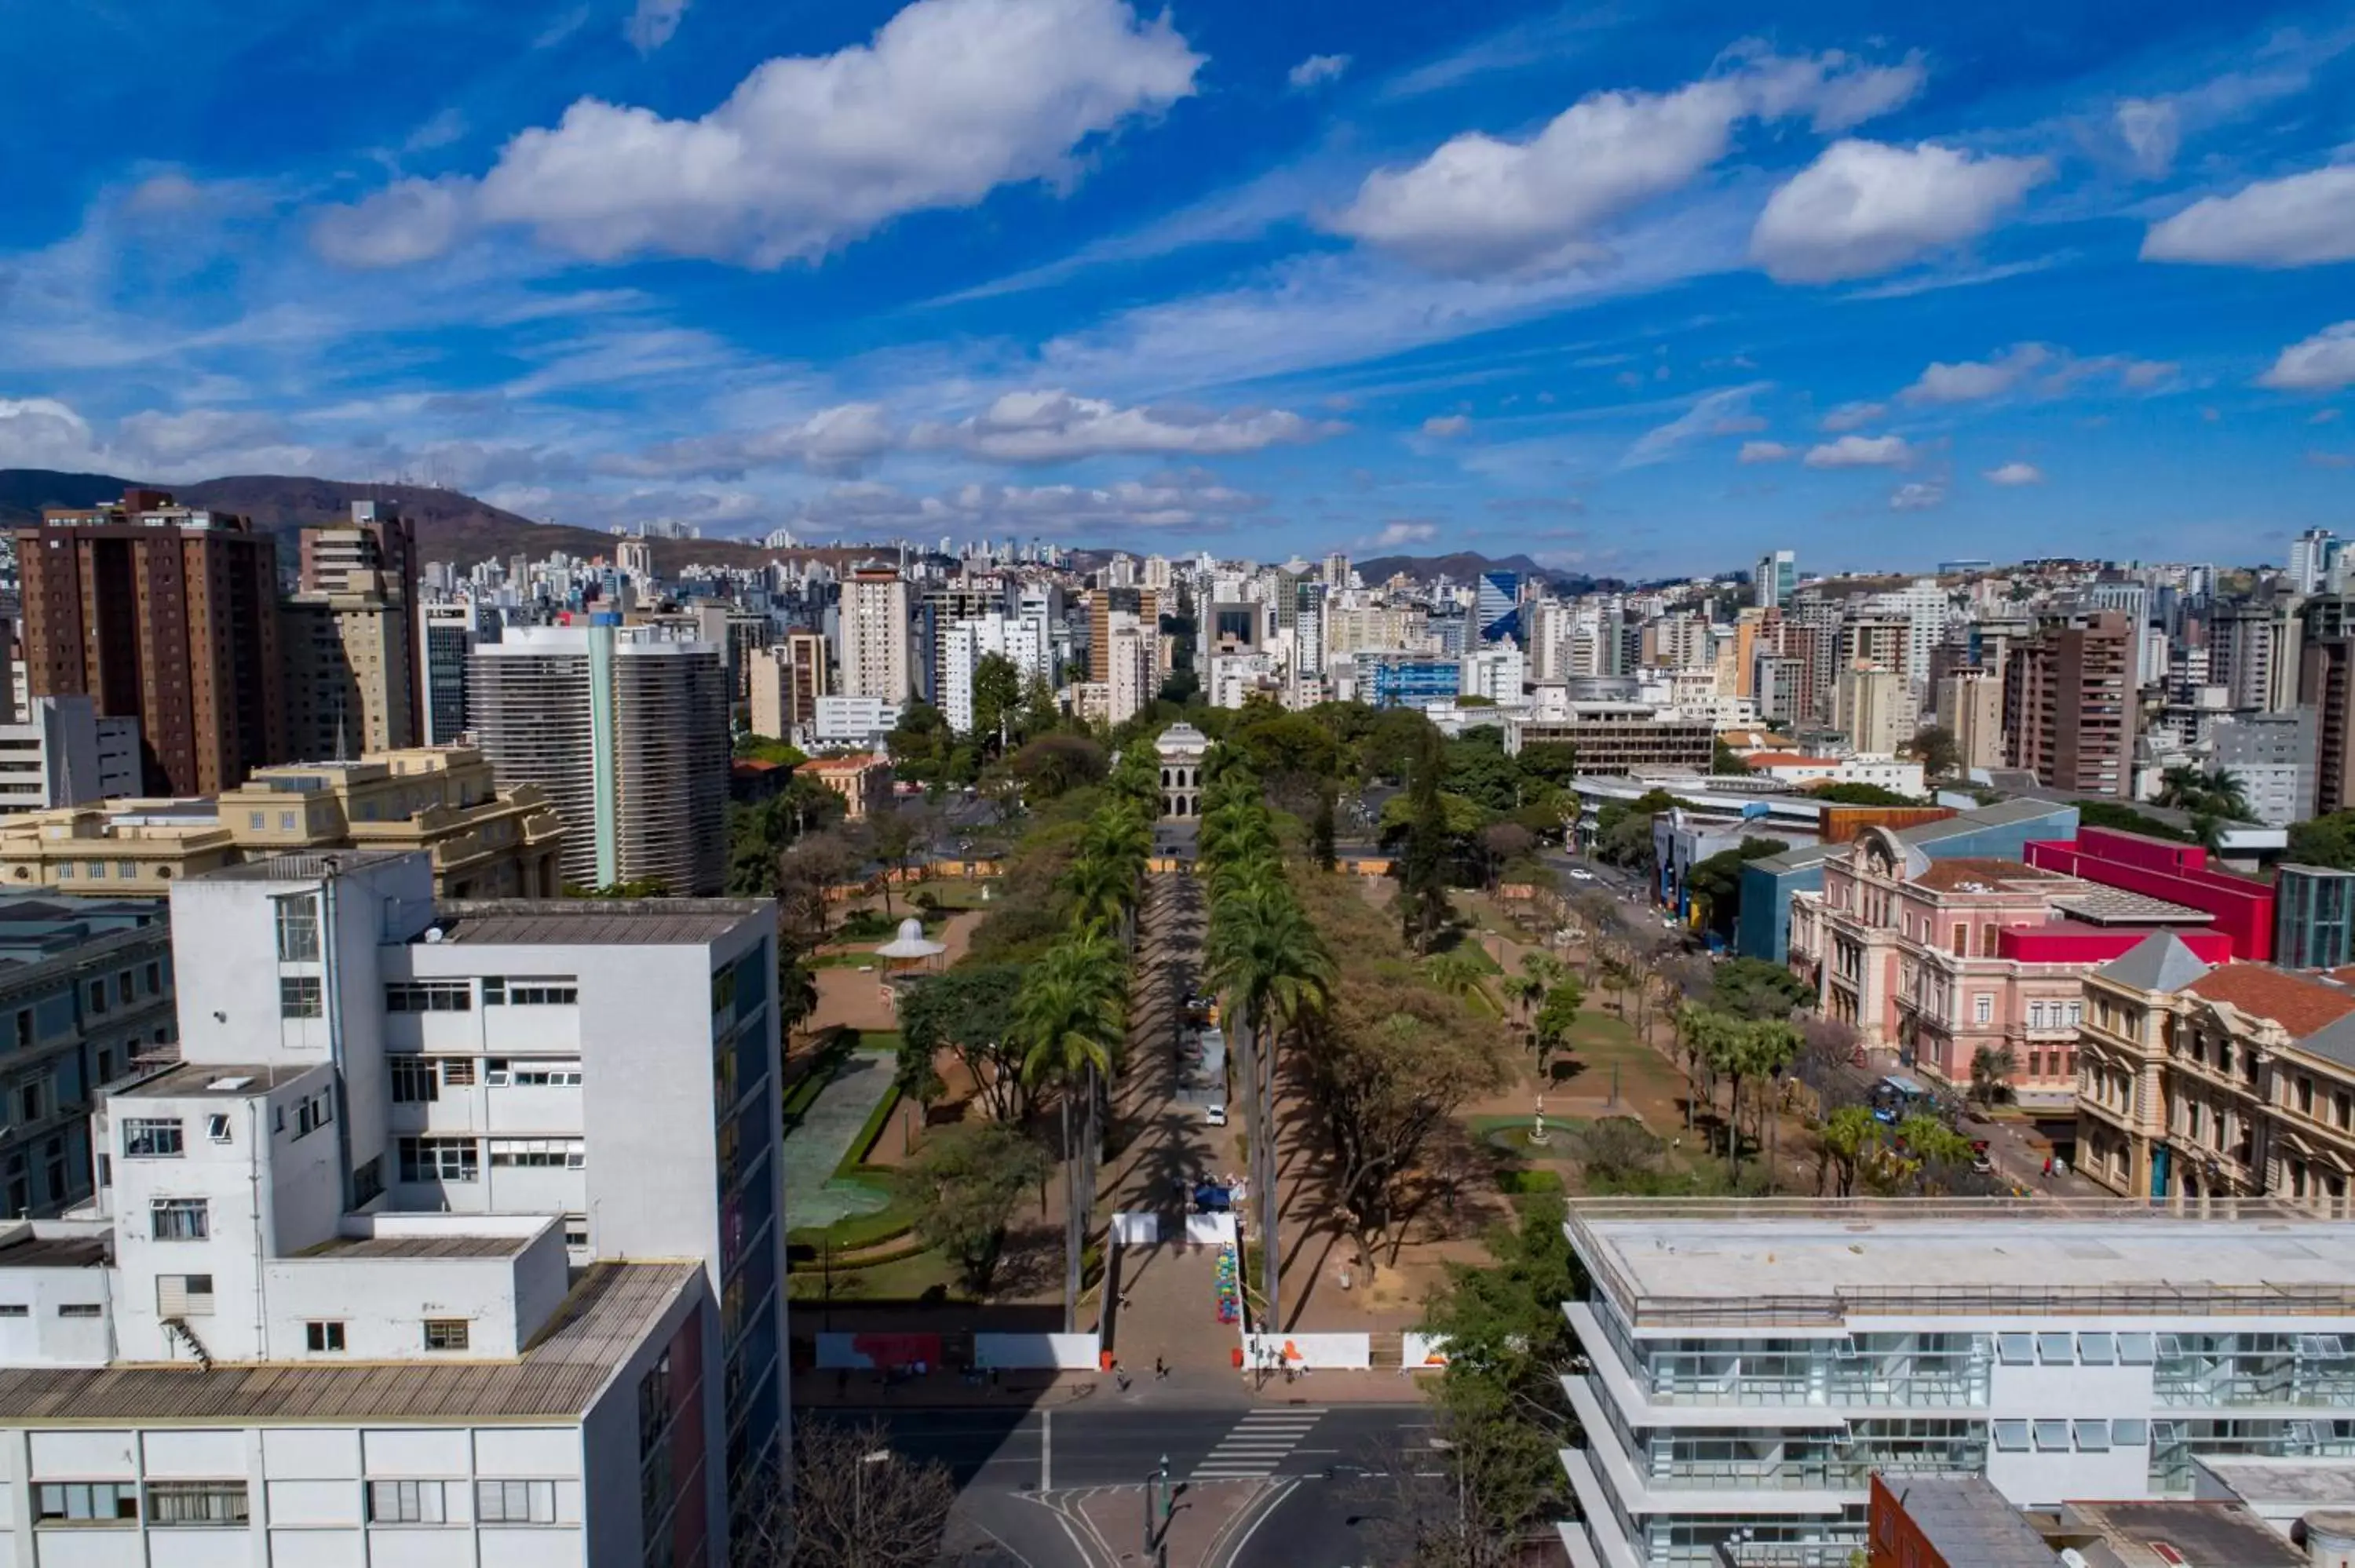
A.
x: 1638, y: 290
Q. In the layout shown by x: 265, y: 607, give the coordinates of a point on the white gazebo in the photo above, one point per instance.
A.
x: 907, y: 956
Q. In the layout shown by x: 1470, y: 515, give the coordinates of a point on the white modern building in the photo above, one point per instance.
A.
x: 852, y: 722
x: 1020, y: 640
x: 627, y: 730
x: 455, y: 1236
x: 1750, y: 1364
x: 61, y: 751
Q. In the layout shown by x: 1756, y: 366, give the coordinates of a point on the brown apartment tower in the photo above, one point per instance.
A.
x: 166, y: 614
x: 2069, y: 704
x: 1145, y: 603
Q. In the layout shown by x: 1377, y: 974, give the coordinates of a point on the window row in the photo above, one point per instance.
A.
x: 418, y: 1080
x: 117, y: 1502
x: 497, y: 990
x: 2076, y: 1350
x: 224, y: 1504
x: 460, y: 1158
x: 65, y: 1309
x: 2057, y: 1436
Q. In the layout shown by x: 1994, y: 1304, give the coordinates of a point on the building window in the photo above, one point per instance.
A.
x: 324, y: 1338
x: 254, y: 819
x: 314, y: 1112
x: 148, y: 1137
x: 217, y: 1128
x: 2092, y: 1436
x: 98, y: 996
x: 183, y: 1296
x: 500, y: 1071
x: 179, y: 1219
x: 576, y: 1232
x: 195, y: 1502
x: 428, y: 996
x: 81, y: 1309
x: 530, y: 991
x: 406, y: 1502
x: 155, y: 979
x: 298, y: 929
x: 300, y: 996
x: 438, y: 1160
x: 414, y: 1081
x: 2051, y: 1436
x: 1982, y: 1009
x: 285, y: 822
x: 2012, y: 1436
x: 457, y: 1071
x: 445, y: 1333
x: 538, y: 1153
x: 514, y: 1502
x: 86, y: 1502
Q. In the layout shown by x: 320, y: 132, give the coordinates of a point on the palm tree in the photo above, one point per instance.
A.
x: 2181, y: 786
x: 1524, y: 991
x: 1069, y: 1018
x: 1267, y: 958
x: 1992, y: 1069
x: 1847, y: 1135
x: 796, y: 991
x: 1454, y: 973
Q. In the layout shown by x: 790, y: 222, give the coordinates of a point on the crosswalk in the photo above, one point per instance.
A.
x: 1261, y: 1441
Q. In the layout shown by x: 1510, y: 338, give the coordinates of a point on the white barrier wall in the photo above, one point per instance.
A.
x: 1063, y: 1352
x: 1337, y: 1352
x: 1136, y: 1229
x: 1209, y: 1230
x: 1422, y: 1352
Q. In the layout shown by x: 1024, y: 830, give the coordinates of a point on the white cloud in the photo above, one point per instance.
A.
x: 1919, y: 496
x: 840, y: 440
x: 1168, y: 501
x: 1865, y: 206
x: 1720, y: 413
x: 653, y: 23
x: 1317, y: 70
x: 171, y: 439
x: 2324, y: 416
x: 1766, y: 451
x: 1395, y: 533
x: 2013, y: 473
x: 950, y: 100
x: 2152, y: 129
x: 1860, y: 451
x: 1972, y: 380
x: 2303, y: 221
x: 1481, y: 205
x: 1446, y: 426
x: 2323, y: 363
x: 408, y: 221
x: 1055, y: 427
x: 1850, y: 416
x: 41, y: 432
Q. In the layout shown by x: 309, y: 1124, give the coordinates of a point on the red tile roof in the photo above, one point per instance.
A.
x: 2299, y: 1003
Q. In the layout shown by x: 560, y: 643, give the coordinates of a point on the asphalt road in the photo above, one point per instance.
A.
x: 1016, y: 1471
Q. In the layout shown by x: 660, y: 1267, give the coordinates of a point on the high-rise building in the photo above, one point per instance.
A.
x: 350, y: 673
x: 1135, y: 680
x: 628, y: 736
x: 1145, y: 603
x: 166, y: 614
x: 2314, y: 916
x: 58, y: 752
x: 2325, y: 683
x: 2069, y: 704
x: 1496, y: 606
x: 2254, y: 652
x: 2273, y: 757
x: 462, y: 1224
x: 787, y: 680
x: 1777, y: 577
x: 1870, y: 705
x: 1970, y: 707
x: 876, y: 656
x: 372, y: 558
x: 447, y: 635
x: 2309, y: 560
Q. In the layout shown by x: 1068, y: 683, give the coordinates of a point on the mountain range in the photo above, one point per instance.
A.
x: 1463, y: 565
x: 451, y: 524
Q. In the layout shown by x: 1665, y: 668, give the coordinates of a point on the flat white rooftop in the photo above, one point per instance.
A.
x: 1672, y: 1262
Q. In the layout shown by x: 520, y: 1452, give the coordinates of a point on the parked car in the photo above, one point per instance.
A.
x: 1214, y: 1115
x: 1580, y: 873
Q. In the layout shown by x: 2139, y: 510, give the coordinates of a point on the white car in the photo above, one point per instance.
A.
x: 1578, y: 875
x: 1214, y: 1115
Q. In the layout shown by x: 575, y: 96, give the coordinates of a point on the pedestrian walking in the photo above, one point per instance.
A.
x: 2048, y: 1168
x: 1119, y: 1377
x: 1160, y: 1369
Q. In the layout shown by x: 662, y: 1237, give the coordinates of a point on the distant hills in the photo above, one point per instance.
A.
x: 1463, y: 565
x: 451, y: 524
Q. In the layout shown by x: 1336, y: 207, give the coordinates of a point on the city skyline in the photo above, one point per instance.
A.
x: 1627, y: 297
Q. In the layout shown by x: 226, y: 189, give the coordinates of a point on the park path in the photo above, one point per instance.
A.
x: 1163, y: 1299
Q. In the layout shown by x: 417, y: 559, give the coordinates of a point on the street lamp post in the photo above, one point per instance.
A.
x: 858, y: 1552
x: 1156, y: 1540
